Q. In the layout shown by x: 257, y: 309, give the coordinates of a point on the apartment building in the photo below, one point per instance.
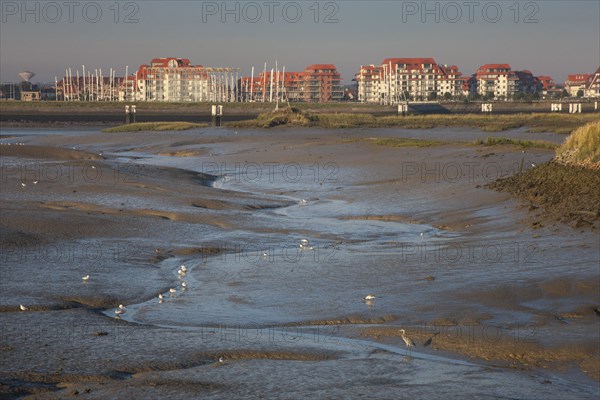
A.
x: 173, y: 79
x: 500, y: 81
x: 318, y: 83
x: 576, y: 83
x: 593, y: 85
x: 399, y: 79
x: 548, y: 86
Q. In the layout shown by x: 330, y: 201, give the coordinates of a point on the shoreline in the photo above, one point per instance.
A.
x: 24, y: 114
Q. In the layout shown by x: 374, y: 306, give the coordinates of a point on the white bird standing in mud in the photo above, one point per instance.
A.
x: 407, y: 341
x: 172, y: 291
x: 160, y: 297
x: 369, y: 297
x: 121, y: 310
x: 23, y: 308
x: 85, y: 278
x: 184, y: 285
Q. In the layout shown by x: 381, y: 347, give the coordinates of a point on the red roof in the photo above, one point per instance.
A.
x: 578, y: 77
x: 547, y: 81
x: 320, y: 66
x: 409, y: 61
x: 495, y: 66
x: 164, y: 62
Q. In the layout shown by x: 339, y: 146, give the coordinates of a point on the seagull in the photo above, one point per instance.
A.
x: 183, y: 268
x: 184, y: 285
x: 23, y: 308
x: 86, y: 278
x: 23, y: 184
x: 160, y: 297
x: 221, y: 359
x: 35, y: 182
x: 93, y: 167
x: 172, y: 291
x: 407, y: 341
x: 369, y: 297
x: 303, y: 202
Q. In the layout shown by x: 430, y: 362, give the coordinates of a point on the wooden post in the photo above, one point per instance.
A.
x: 216, y: 114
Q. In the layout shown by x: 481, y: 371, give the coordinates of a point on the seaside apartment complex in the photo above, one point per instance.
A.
x: 394, y: 81
x: 318, y: 83
x: 499, y: 81
x: 584, y: 85
x: 400, y: 79
x: 177, y: 80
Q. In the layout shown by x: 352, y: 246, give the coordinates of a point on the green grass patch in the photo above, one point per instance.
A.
x: 559, y: 123
x: 285, y: 116
x: 398, y: 142
x: 154, y: 126
x: 497, y: 141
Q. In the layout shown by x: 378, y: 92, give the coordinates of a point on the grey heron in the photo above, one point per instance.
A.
x: 407, y: 341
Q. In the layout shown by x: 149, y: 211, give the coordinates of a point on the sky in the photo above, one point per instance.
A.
x: 548, y: 37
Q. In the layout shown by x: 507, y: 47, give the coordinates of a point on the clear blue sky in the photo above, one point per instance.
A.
x: 565, y: 39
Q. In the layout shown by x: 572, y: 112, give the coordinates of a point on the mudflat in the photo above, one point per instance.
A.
x: 283, y: 232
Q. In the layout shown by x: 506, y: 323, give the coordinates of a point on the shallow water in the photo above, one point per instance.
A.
x: 265, y: 278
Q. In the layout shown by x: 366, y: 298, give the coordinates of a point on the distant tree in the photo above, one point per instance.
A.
x: 580, y: 93
x: 474, y: 96
x: 447, y: 96
x: 488, y: 96
x: 519, y: 96
x: 432, y: 96
x: 528, y: 97
x: 564, y: 93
